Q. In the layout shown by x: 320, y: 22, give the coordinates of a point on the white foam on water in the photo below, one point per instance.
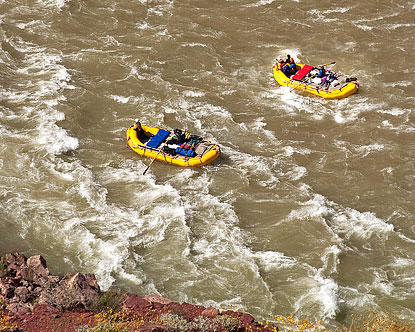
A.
x: 47, y: 78
x: 318, y: 15
x: 31, y: 26
x: 259, y: 126
x: 330, y: 259
x: 260, y: 3
x: 296, y: 173
x: 404, y: 84
x: 216, y: 117
x: 405, y: 238
x: 191, y: 93
x: 290, y: 150
x: 392, y: 282
x: 323, y: 293
x: 271, y: 260
x: 271, y: 94
x: 161, y: 9
x: 92, y: 192
x: 55, y: 139
x: 345, y: 113
x: 359, y: 298
x: 365, y: 150
x: 382, y: 283
x: 143, y: 26
x: 401, y: 128
x: 343, y: 221
x: 342, y: 116
x: 398, y: 26
x: 294, y: 101
x: 104, y: 232
x: 110, y: 41
x: 262, y: 170
x: 218, y: 246
x: 394, y: 111
x: 363, y: 27
x: 193, y: 44
x: 53, y: 3
x: 361, y: 151
x: 228, y: 92
x: 121, y: 99
x: 403, y: 267
x: 321, y: 290
x: 340, y: 10
x: 339, y: 118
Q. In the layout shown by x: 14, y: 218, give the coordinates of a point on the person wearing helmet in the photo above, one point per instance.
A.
x: 292, y: 67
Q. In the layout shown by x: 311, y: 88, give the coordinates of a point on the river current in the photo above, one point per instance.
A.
x: 310, y: 208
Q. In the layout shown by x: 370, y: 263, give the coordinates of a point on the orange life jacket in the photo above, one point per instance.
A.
x: 280, y: 65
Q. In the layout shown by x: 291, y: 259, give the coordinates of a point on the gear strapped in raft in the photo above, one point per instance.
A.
x: 156, y: 140
x: 302, y: 72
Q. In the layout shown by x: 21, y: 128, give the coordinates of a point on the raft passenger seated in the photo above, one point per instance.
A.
x: 141, y: 135
x: 292, y: 67
x: 321, y: 72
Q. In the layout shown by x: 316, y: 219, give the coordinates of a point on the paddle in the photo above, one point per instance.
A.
x: 331, y: 63
x: 161, y: 147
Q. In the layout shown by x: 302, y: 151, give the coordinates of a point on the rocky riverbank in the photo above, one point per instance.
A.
x: 33, y: 299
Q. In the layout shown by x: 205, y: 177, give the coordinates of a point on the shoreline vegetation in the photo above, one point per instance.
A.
x: 32, y: 299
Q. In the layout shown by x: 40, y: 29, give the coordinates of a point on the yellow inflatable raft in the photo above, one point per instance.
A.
x: 178, y: 147
x: 331, y: 86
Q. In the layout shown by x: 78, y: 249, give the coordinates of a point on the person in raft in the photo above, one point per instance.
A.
x: 284, y: 67
x: 321, y: 72
x: 291, y: 69
x: 280, y: 64
x: 141, y: 135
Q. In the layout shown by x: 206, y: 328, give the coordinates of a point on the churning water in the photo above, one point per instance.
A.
x: 309, y: 210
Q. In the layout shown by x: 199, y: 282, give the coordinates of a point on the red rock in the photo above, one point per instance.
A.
x: 78, y: 281
x: 24, y: 272
x: 186, y: 310
x: 18, y: 308
x: 45, y: 318
x: 37, y: 290
x: 21, y: 294
x: 37, y: 265
x: 136, y: 304
x: 14, y: 258
x: 210, y: 312
x: 91, y: 280
x: 80, y: 289
x: 247, y: 319
x: 42, y: 309
x: 14, y: 281
x: 231, y: 313
x: 71, y: 295
x: 6, y: 289
x: 53, y: 279
x: 157, y: 298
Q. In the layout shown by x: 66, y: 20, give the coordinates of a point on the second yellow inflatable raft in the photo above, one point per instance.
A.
x: 333, y: 86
